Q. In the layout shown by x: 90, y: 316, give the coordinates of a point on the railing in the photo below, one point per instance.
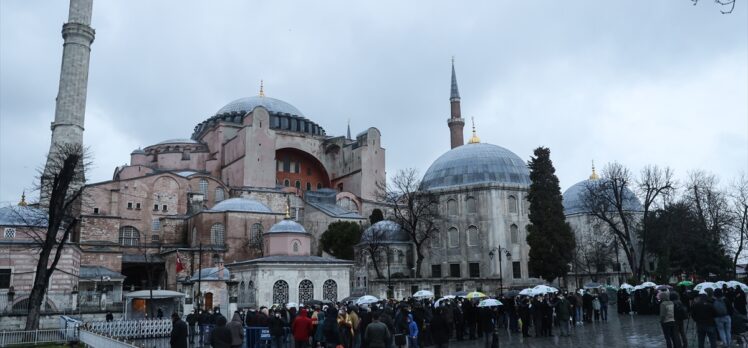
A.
x: 8, y: 338
x: 58, y: 302
x: 132, y: 329
x: 93, y: 339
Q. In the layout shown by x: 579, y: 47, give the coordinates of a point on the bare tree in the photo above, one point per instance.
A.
x: 612, y: 200
x: 373, y: 244
x: 417, y: 212
x: 710, y: 205
x: 723, y: 3
x: 594, y: 251
x: 61, y: 186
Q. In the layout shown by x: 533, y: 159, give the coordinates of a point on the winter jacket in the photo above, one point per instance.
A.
x: 703, y: 312
x: 667, y: 311
x: 563, y: 310
x: 301, y: 327
x: 220, y: 337
x: 237, y: 330
x: 275, y: 326
x: 377, y: 335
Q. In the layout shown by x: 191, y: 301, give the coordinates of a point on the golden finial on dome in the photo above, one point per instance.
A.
x: 23, y: 203
x: 594, y: 175
x: 262, y: 90
x: 288, y: 209
x: 474, y: 139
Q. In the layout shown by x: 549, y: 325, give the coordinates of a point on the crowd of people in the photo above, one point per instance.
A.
x: 388, y: 324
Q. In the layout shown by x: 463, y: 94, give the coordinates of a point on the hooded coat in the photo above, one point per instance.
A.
x: 302, y: 326
x: 237, y: 330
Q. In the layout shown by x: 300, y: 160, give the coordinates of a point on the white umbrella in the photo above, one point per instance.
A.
x: 544, y: 289
x: 423, y: 294
x: 292, y: 305
x: 527, y: 292
x: 489, y: 302
x: 366, y: 299
x: 638, y: 287
x: 721, y: 283
x: 648, y: 285
x: 438, y: 302
x: 734, y: 283
x: 626, y: 286
x: 703, y: 286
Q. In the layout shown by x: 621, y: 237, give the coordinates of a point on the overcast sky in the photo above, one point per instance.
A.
x: 638, y: 82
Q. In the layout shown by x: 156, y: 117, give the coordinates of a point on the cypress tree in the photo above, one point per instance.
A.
x: 549, y: 236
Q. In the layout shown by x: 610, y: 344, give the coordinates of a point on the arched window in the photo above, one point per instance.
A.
x: 454, y: 237
x: 347, y: 204
x: 129, y: 236
x: 512, y: 204
x: 280, y: 292
x: 470, y: 203
x: 473, y: 238
x: 514, y: 232
x: 217, y: 232
x: 330, y: 290
x: 309, y: 186
x: 255, y: 235
x: 436, y: 240
x: 286, y: 183
x: 452, y: 207
x: 295, y: 247
x: 306, y: 291
x: 204, y: 186
x: 219, y: 194
x: 298, y: 184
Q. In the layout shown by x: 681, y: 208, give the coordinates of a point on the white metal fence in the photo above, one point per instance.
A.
x: 8, y: 338
x: 93, y: 339
x: 132, y: 329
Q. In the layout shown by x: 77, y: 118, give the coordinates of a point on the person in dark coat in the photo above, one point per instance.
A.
x: 740, y: 301
x: 537, y: 316
x: 547, y: 319
x: 440, y: 329
x: 703, y: 314
x: 459, y: 320
x: 220, y: 337
x: 563, y: 313
x: 470, y: 318
x: 276, y: 329
x: 376, y: 334
x: 109, y: 316
x: 178, y: 337
x: 524, y: 315
x: 203, y: 320
x: 330, y: 329
x: 191, y: 321
x: 587, y: 306
x: 237, y: 330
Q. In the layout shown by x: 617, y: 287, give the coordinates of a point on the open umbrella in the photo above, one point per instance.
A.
x: 366, y: 299
x: 438, y: 302
x: 489, y: 302
x: 460, y: 294
x: 649, y: 285
x: 423, y: 294
x: 705, y: 285
x: 528, y: 292
x: 720, y: 284
x: 292, y: 305
x: 685, y: 283
x: 544, y: 289
x: 475, y: 294
x: 627, y: 286
x: 734, y: 283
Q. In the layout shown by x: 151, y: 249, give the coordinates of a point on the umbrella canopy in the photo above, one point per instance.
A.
x: 349, y: 299
x: 649, y: 285
x: 704, y: 286
x: 367, y: 299
x: 592, y: 285
x: 489, y: 302
x: 720, y: 284
x: 626, y: 286
x: 423, y: 294
x: 734, y: 283
x: 475, y: 294
x: 438, y: 302
x: 544, y: 289
x: 292, y: 305
x: 527, y: 292
x: 460, y: 293
x: 685, y: 283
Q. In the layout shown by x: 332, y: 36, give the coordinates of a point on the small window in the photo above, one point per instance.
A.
x: 516, y: 270
x: 204, y: 186
x: 129, y: 205
x: 512, y: 203
x: 454, y: 270
x: 185, y: 155
x: 9, y: 233
x: 96, y: 211
x: 279, y: 166
x: 436, y: 271
x: 129, y: 236
x: 436, y: 240
x: 454, y: 237
x: 474, y: 270
x: 514, y: 232
x: 470, y: 203
x: 219, y: 195
x: 452, y: 207
x: 155, y: 238
x: 295, y: 247
x: 217, y: 234
x: 473, y: 237
x: 137, y: 206
x: 286, y: 183
x: 164, y: 208
x: 155, y: 225
x: 5, y: 278
x: 286, y: 165
x: 155, y: 207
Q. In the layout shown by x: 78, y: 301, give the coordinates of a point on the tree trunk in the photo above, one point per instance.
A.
x: 419, y: 260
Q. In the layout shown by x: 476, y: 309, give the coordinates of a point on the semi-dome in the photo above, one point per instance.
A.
x: 178, y: 141
x: 248, y: 104
x: 573, y: 198
x: 287, y: 226
x: 241, y: 204
x: 476, y: 163
x: 385, y: 231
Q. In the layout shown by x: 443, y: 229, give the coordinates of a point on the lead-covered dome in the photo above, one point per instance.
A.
x: 241, y: 204
x: 249, y: 103
x: 385, y: 231
x: 287, y: 226
x: 574, y: 196
x: 476, y: 164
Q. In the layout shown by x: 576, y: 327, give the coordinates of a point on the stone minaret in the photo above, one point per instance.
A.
x: 455, y: 122
x: 70, y: 110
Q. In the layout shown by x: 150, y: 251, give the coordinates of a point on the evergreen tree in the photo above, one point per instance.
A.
x: 376, y: 216
x: 549, y: 236
x: 339, y: 238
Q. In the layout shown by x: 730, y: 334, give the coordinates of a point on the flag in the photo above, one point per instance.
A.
x: 180, y: 265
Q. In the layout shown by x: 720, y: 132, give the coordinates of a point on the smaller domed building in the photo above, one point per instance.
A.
x: 288, y: 272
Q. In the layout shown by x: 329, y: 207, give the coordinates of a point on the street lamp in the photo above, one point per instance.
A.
x: 500, y: 251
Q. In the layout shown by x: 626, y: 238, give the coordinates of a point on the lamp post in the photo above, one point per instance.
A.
x: 500, y: 251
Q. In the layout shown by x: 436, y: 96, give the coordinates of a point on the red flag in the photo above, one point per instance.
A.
x: 180, y: 265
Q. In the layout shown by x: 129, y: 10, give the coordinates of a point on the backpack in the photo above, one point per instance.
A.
x: 720, y: 308
x: 681, y: 313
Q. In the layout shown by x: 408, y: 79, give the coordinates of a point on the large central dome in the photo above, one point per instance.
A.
x: 248, y: 104
x: 476, y: 164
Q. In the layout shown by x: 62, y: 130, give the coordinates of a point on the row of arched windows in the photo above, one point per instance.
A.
x: 297, y: 184
x: 472, y: 237
x: 219, y: 194
x: 306, y: 291
x: 471, y: 206
x: 218, y: 234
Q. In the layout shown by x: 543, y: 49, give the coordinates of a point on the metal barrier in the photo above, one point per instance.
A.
x: 256, y: 337
x: 93, y: 339
x: 131, y: 329
x: 34, y: 337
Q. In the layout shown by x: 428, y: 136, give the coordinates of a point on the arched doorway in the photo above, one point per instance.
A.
x: 208, y: 303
